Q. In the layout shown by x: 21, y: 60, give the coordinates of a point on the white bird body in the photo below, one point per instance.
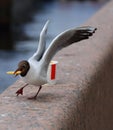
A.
x: 34, y: 75
x: 34, y: 71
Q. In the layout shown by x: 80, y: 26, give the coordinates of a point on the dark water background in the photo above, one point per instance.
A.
x: 62, y: 16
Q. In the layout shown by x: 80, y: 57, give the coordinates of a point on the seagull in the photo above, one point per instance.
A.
x: 34, y: 70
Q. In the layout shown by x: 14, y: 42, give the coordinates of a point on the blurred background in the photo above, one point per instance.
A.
x: 22, y: 20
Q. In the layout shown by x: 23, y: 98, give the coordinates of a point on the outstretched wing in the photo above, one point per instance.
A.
x: 42, y: 44
x: 65, y: 39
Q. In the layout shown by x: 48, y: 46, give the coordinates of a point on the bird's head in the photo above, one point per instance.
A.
x: 23, y: 68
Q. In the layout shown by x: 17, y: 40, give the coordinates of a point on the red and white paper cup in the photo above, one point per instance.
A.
x: 51, y: 74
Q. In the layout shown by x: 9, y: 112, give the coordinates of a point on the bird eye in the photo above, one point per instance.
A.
x: 23, y: 66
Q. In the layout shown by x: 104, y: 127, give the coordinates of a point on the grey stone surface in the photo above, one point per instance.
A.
x: 82, y: 99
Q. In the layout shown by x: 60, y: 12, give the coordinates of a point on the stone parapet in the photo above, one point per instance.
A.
x: 82, y: 99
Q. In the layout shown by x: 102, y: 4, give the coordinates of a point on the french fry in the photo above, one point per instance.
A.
x: 10, y: 72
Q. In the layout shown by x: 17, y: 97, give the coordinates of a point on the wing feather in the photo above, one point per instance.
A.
x: 65, y: 39
x: 42, y: 44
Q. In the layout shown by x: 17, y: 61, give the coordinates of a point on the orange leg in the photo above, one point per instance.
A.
x: 34, y: 97
x: 20, y: 91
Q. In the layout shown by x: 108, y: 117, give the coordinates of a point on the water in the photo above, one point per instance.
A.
x: 62, y: 16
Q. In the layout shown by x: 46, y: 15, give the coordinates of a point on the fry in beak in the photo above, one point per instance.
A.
x: 17, y: 72
x: 10, y: 72
x: 14, y: 73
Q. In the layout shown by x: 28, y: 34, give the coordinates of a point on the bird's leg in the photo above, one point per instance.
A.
x: 34, y: 97
x: 20, y: 91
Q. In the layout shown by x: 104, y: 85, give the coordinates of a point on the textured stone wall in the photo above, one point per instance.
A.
x: 82, y: 99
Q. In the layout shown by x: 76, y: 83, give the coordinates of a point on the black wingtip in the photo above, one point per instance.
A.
x: 91, y: 30
x: 95, y: 30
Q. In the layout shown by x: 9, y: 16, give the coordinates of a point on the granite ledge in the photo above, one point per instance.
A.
x: 82, y: 99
